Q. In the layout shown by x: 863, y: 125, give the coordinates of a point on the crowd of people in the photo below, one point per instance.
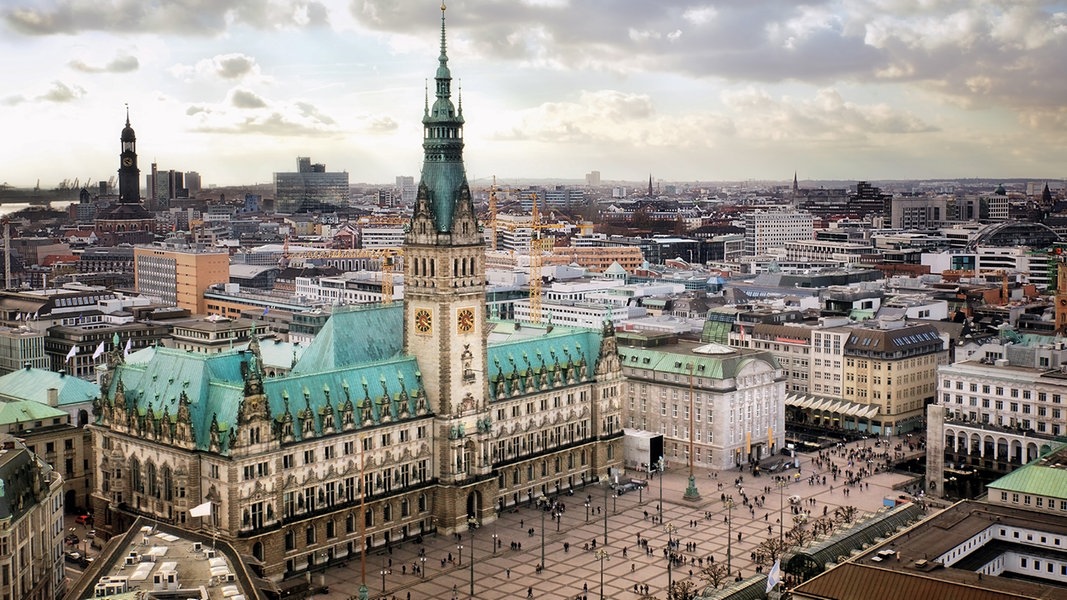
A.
x: 743, y: 508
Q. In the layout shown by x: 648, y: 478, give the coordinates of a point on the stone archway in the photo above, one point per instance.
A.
x: 474, y: 504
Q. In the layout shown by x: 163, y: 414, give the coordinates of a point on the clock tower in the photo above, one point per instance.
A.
x: 444, y: 301
x: 129, y: 174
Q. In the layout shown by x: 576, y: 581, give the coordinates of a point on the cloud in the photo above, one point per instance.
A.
x: 61, y: 92
x: 748, y: 115
x: 246, y: 99
x: 123, y: 63
x: 223, y: 66
x: 245, y: 112
x: 182, y: 17
x: 13, y: 100
x: 612, y: 117
x: 825, y: 117
x: 994, y: 53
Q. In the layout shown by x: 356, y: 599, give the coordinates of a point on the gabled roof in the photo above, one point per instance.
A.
x: 212, y: 383
x: 514, y: 352
x: 33, y: 384
x: 355, y: 336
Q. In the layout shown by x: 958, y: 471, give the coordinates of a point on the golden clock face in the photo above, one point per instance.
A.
x: 127, y: 161
x: 423, y: 321
x: 465, y: 320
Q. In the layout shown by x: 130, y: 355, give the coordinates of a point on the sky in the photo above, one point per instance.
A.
x: 682, y: 90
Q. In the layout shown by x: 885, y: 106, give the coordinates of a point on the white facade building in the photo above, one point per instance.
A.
x: 737, y: 398
x: 995, y: 412
x: 766, y: 230
x: 359, y: 287
x: 578, y: 314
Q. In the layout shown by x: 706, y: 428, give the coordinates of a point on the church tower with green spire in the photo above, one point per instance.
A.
x: 444, y: 297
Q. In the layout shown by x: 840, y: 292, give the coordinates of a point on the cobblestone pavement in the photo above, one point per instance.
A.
x: 509, y: 573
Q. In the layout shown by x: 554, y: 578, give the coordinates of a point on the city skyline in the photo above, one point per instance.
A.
x: 893, y: 89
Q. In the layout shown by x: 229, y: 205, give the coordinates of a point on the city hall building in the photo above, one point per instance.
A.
x: 398, y: 420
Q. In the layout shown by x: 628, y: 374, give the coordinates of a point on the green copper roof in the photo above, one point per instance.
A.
x: 1047, y: 476
x: 33, y: 384
x: 529, y: 349
x: 715, y: 366
x: 28, y: 411
x: 212, y: 383
x: 389, y: 389
x: 442, y: 169
x: 355, y: 336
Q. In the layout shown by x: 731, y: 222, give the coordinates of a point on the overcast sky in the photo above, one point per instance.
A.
x: 684, y: 90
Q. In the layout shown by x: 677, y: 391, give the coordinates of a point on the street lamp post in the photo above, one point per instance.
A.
x: 542, y: 501
x: 494, y: 543
x: 586, y: 511
x: 728, y: 503
x: 607, y: 484
x: 669, y: 528
x: 472, y: 525
x: 459, y: 551
x: 782, y: 482
x: 558, y: 516
x: 614, y: 505
x: 600, y: 555
x: 659, y: 466
x: 422, y: 570
x: 384, y: 572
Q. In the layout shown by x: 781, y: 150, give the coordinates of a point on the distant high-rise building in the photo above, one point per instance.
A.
x: 765, y: 230
x: 985, y: 208
x: 406, y: 189
x: 918, y: 212
x: 592, y: 178
x: 179, y: 276
x: 192, y: 183
x: 867, y: 201
x: 164, y: 186
x: 310, y: 188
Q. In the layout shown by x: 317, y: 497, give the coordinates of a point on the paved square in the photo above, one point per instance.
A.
x: 566, y: 572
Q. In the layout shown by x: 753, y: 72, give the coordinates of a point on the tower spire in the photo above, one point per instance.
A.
x: 443, y: 173
x: 127, y: 114
x: 443, y: 59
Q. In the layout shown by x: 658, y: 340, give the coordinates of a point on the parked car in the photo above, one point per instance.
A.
x: 77, y: 558
x: 83, y: 519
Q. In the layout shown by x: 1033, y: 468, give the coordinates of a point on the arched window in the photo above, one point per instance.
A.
x: 153, y: 485
x: 135, y: 476
x: 168, y: 483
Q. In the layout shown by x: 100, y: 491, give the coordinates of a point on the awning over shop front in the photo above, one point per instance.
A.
x: 832, y: 405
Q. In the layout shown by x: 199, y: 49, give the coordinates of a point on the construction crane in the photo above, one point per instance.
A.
x: 492, y: 214
x: 6, y: 223
x: 536, y: 255
x: 387, y: 277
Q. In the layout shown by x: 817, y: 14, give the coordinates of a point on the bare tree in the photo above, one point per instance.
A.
x: 682, y: 590
x: 770, y: 550
x: 714, y: 574
x: 845, y: 514
x: 800, y: 535
x: 822, y: 526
